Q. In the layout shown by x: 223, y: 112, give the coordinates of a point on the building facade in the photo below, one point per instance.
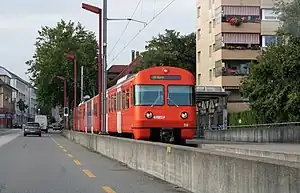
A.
x: 22, y: 91
x: 230, y: 34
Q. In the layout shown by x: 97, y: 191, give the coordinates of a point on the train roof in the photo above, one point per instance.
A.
x: 123, y: 79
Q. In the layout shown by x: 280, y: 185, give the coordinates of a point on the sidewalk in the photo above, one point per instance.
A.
x: 6, y: 131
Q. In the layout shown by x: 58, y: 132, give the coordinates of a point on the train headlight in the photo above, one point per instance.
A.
x: 184, y: 115
x: 149, y: 115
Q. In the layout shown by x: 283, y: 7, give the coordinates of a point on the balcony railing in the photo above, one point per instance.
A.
x: 231, y: 72
x: 242, y: 46
x: 219, y: 45
x: 242, y: 18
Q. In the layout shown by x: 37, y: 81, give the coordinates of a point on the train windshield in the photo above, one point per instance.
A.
x: 152, y: 95
x: 180, y: 95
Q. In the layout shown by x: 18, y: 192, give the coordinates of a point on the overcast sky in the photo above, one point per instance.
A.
x: 20, y: 20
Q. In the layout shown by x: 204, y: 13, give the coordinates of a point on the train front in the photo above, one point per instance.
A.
x: 164, y: 105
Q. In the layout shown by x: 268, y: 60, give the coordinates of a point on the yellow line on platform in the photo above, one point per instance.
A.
x: 64, y: 150
x: 108, y: 189
x: 89, y: 173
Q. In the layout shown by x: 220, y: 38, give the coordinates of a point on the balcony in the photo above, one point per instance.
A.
x: 232, y: 82
x: 238, y: 52
x: 230, y: 74
x: 240, y: 24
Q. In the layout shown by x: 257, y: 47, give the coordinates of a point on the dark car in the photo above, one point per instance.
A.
x: 32, y: 128
x: 57, y: 126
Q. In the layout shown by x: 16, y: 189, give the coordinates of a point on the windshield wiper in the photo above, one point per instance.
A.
x: 173, y: 102
x: 156, y: 100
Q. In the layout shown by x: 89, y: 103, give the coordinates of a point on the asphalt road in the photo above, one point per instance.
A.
x: 53, y: 164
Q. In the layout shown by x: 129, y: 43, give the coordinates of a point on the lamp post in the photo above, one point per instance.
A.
x: 72, y: 57
x: 102, y: 96
x: 65, y: 98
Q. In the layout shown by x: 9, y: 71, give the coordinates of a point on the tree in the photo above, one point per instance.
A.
x: 170, y: 49
x: 273, y: 87
x: 288, y: 13
x: 49, y: 62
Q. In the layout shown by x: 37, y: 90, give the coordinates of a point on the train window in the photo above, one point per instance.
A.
x: 118, y: 101
x: 95, y: 109
x: 179, y: 95
x: 109, y: 103
x: 152, y: 95
x: 127, y: 99
x: 123, y: 99
x: 114, y: 103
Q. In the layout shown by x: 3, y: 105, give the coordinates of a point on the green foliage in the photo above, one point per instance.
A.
x: 170, y: 49
x: 243, y: 118
x: 22, y: 106
x: 273, y: 87
x: 49, y: 62
x: 289, y: 14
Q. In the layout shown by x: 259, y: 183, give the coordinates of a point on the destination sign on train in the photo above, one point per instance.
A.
x: 165, y: 77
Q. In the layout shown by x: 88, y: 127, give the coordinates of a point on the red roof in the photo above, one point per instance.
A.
x: 116, y: 68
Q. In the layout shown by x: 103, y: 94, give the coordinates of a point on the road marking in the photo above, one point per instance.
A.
x: 77, y: 162
x: 61, y: 146
x: 108, y: 189
x: 64, y: 150
x: 88, y: 173
x: 70, y: 155
x: 58, y: 144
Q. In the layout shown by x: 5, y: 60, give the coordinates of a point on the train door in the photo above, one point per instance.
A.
x: 89, y: 116
x: 92, y: 116
x: 119, y: 112
x: 107, y: 111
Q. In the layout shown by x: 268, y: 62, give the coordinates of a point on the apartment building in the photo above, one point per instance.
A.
x: 230, y: 34
x: 22, y: 90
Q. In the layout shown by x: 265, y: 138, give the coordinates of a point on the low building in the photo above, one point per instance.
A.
x: 115, y: 72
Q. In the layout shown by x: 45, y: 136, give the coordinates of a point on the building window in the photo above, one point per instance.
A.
x: 198, y: 11
x: 214, y: 23
x: 199, y: 77
x: 269, y: 15
x: 198, y: 56
x: 210, y: 74
x: 210, y: 51
x: 214, y: 47
x: 198, y: 34
x: 267, y: 40
x: 209, y: 27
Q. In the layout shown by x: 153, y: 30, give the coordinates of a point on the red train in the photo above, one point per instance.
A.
x: 156, y: 104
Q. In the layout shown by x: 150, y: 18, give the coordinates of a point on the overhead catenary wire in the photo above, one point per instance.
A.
x: 135, y: 36
x: 125, y: 28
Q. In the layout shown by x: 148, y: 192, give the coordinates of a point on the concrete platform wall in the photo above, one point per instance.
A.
x: 198, y: 170
x: 279, y: 134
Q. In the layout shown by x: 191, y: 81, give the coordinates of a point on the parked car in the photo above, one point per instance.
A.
x: 57, y: 126
x: 32, y: 128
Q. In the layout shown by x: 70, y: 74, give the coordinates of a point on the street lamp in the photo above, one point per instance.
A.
x: 72, y: 57
x: 102, y: 96
x: 65, y: 98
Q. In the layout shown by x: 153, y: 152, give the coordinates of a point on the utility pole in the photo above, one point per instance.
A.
x: 103, y: 57
x: 104, y: 66
x: 81, y: 78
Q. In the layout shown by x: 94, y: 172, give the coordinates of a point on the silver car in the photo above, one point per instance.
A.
x: 32, y: 128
